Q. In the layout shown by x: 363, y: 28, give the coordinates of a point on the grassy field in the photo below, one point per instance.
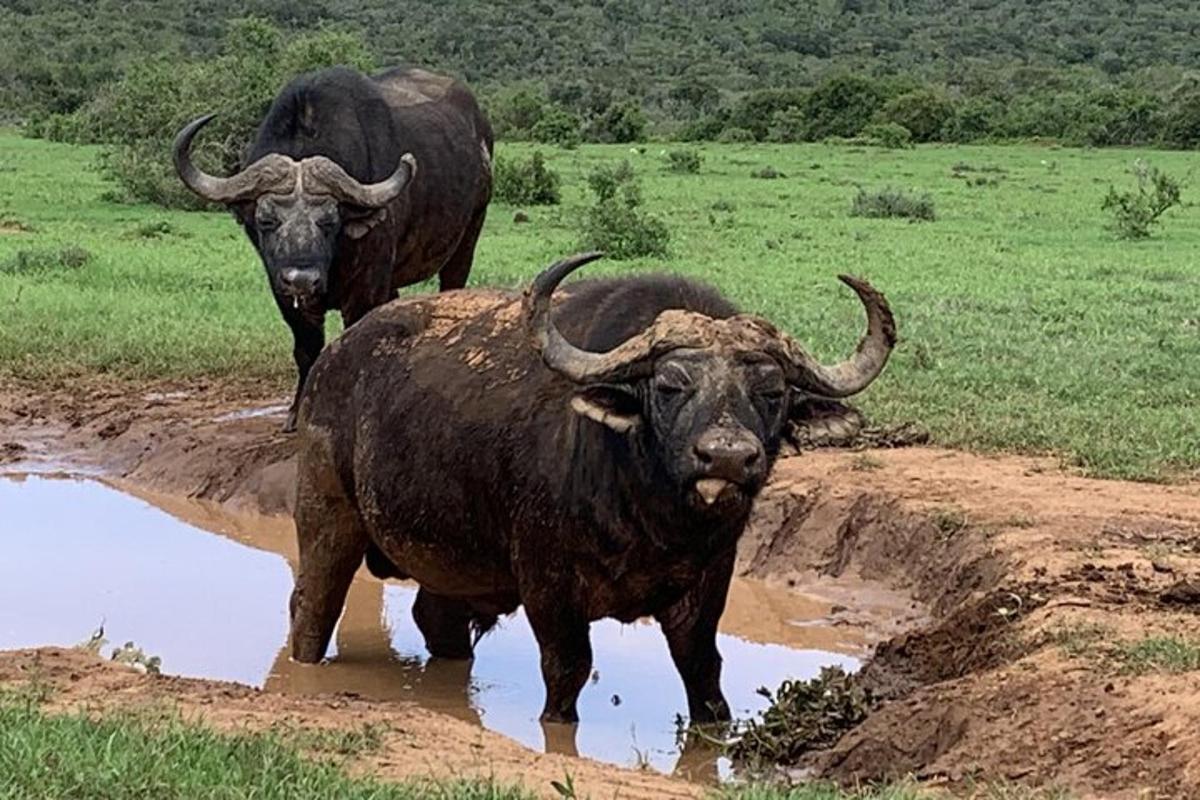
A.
x: 1025, y: 325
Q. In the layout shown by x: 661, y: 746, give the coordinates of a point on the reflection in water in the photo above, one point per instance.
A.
x: 77, y: 553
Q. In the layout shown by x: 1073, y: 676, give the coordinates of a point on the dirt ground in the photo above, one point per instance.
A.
x: 1028, y: 585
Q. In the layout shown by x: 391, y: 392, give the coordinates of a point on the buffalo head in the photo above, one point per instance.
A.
x: 704, y: 399
x: 295, y: 211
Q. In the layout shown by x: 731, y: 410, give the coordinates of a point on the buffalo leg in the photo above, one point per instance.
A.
x: 562, y: 637
x: 691, y: 630
x: 332, y: 544
x: 453, y: 274
x: 445, y: 622
x: 309, y: 337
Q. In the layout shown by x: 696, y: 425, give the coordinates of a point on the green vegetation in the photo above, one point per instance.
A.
x: 889, y: 203
x: 801, y: 716
x: 136, y: 755
x: 1079, y: 73
x: 1160, y: 654
x: 1135, y: 212
x: 526, y: 182
x: 1024, y: 326
x: 616, y: 223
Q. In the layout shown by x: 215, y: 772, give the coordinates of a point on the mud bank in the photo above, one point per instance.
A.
x: 1024, y: 586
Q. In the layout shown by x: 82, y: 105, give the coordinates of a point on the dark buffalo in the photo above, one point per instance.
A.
x: 599, y: 465
x: 354, y: 187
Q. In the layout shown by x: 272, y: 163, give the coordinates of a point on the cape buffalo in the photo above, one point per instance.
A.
x: 354, y: 187
x: 595, y: 461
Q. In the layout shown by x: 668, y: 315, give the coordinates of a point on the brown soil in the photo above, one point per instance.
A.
x: 1009, y: 563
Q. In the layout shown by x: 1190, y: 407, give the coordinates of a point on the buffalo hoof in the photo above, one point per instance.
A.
x: 289, y: 426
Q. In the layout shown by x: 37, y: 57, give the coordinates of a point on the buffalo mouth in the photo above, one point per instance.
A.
x: 712, y: 492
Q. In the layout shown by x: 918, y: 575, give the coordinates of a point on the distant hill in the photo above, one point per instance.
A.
x: 54, y: 53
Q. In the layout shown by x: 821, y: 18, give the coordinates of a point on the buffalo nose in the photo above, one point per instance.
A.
x: 301, y: 281
x: 729, y: 455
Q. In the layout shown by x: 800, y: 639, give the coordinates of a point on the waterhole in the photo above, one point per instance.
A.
x: 206, y: 591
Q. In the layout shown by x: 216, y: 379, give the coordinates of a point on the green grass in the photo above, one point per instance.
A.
x: 1025, y: 325
x: 1159, y: 654
x: 143, y: 755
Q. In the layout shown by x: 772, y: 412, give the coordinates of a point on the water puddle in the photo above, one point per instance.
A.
x: 78, y: 554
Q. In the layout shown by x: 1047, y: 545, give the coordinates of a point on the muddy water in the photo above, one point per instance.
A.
x: 77, y: 554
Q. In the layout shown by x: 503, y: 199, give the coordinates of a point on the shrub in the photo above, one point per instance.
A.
x: 620, y: 123
x: 559, y: 127
x: 788, y: 125
x: 889, y: 203
x: 528, y: 182
x: 34, y: 262
x: 975, y: 119
x: 923, y: 112
x: 688, y: 161
x: 756, y: 110
x: 767, y: 173
x: 1135, y: 212
x: 515, y: 111
x: 887, y: 134
x: 733, y: 135
x: 841, y: 106
x: 616, y: 222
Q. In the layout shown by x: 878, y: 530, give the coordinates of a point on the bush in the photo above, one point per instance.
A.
x: 514, y: 112
x: 1136, y: 212
x: 559, y: 127
x: 767, y: 173
x: 620, y: 123
x: 35, y: 262
x: 975, y: 119
x: 526, y: 183
x: 889, y: 203
x: 923, y: 113
x: 887, y: 134
x: 616, y: 222
x: 840, y: 106
x: 788, y: 125
x: 733, y: 135
x: 687, y: 161
x: 756, y: 110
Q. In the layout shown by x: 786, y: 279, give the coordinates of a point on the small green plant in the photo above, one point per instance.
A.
x: 865, y: 462
x: 686, y: 161
x: 1160, y: 654
x: 154, y: 229
x: 616, y: 222
x: 528, y: 182
x: 802, y: 716
x: 767, y: 173
x: 1081, y: 638
x: 949, y: 521
x: 1137, y: 211
x: 133, y: 656
x: 33, y: 262
x: 566, y: 787
x: 892, y: 203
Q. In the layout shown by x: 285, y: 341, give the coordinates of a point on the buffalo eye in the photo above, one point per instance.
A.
x: 671, y: 382
x: 266, y: 223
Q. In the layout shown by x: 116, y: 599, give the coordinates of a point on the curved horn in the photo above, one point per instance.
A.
x: 269, y: 171
x: 854, y: 375
x: 331, y: 176
x: 560, y: 355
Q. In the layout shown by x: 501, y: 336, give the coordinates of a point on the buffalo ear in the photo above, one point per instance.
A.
x: 614, y: 405
x: 358, y: 222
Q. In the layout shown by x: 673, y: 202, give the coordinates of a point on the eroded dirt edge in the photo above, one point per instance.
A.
x: 1034, y: 580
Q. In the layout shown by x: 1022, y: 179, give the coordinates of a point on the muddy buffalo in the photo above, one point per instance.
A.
x: 353, y: 187
x: 597, y: 460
